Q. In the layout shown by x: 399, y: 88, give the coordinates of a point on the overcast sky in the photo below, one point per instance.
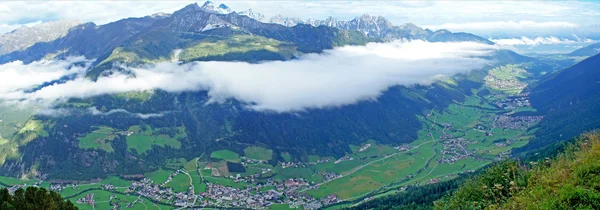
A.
x: 496, y: 19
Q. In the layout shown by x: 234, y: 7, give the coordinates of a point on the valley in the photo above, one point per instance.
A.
x: 460, y: 139
x: 199, y: 106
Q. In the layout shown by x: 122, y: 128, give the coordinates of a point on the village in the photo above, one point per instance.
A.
x: 454, y: 150
x: 216, y: 195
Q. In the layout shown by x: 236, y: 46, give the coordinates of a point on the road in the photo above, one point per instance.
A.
x: 381, y: 159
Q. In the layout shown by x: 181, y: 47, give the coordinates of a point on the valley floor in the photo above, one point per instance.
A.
x: 460, y: 139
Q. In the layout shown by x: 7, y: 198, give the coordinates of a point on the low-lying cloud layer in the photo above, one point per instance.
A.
x: 539, y: 41
x: 336, y: 77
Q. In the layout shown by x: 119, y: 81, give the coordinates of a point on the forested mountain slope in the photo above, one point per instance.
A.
x: 589, y: 50
x: 569, y: 100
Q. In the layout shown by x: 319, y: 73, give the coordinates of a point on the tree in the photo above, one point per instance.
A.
x: 33, y: 198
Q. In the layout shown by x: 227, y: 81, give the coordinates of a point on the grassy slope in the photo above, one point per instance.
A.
x: 143, y: 139
x: 227, y: 155
x: 569, y: 181
x: 258, y: 153
x: 98, y: 139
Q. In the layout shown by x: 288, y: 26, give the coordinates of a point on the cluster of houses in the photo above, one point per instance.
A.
x: 345, y: 158
x: 454, y: 150
x: 364, y: 147
x: 404, y: 147
x: 89, y: 199
x: 516, y: 122
x: 513, y: 102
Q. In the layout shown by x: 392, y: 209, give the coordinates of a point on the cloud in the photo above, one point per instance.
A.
x: 540, y: 41
x: 337, y: 77
x: 94, y: 111
x: 506, y: 25
x: 16, y: 77
x: 62, y: 112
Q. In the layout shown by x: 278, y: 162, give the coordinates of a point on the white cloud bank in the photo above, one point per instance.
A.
x: 505, y: 25
x: 540, y: 41
x: 337, y: 77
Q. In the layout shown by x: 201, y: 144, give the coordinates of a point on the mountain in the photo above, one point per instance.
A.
x: 24, y: 37
x: 187, y: 29
x: 380, y: 28
x: 589, y: 50
x: 569, y: 100
x: 286, y: 21
x: 254, y: 15
x: 209, y: 6
x: 151, y: 38
x: 88, y: 39
x: 155, y: 37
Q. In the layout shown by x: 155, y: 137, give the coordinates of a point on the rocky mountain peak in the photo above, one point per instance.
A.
x: 24, y: 37
x: 252, y: 14
x: 210, y: 7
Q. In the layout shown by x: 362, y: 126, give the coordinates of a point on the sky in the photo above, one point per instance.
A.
x: 337, y: 77
x: 495, y: 19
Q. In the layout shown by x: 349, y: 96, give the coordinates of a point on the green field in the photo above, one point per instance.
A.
x: 98, y: 139
x: 179, y: 183
x: 227, y: 155
x: 159, y: 176
x: 144, y: 137
x: 30, y: 131
x: 258, y: 153
x: 198, y: 182
x: 286, y: 156
x: 136, y: 95
x: 70, y: 191
x: 116, y: 181
x: 103, y: 201
x: 13, y: 118
x: 279, y: 207
x: 14, y: 181
x: 226, y: 182
x: 369, y: 178
x: 236, y: 44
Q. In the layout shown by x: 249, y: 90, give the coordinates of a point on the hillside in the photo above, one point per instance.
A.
x: 589, y: 50
x: 569, y: 99
x: 568, y: 181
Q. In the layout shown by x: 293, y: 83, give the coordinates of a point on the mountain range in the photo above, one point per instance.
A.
x: 216, y: 33
x: 24, y: 37
x: 194, y: 23
x: 589, y: 50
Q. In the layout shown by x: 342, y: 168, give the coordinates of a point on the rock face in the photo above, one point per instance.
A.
x: 380, y: 28
x: 88, y: 39
x: 24, y: 37
x: 254, y: 15
x: 210, y: 7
